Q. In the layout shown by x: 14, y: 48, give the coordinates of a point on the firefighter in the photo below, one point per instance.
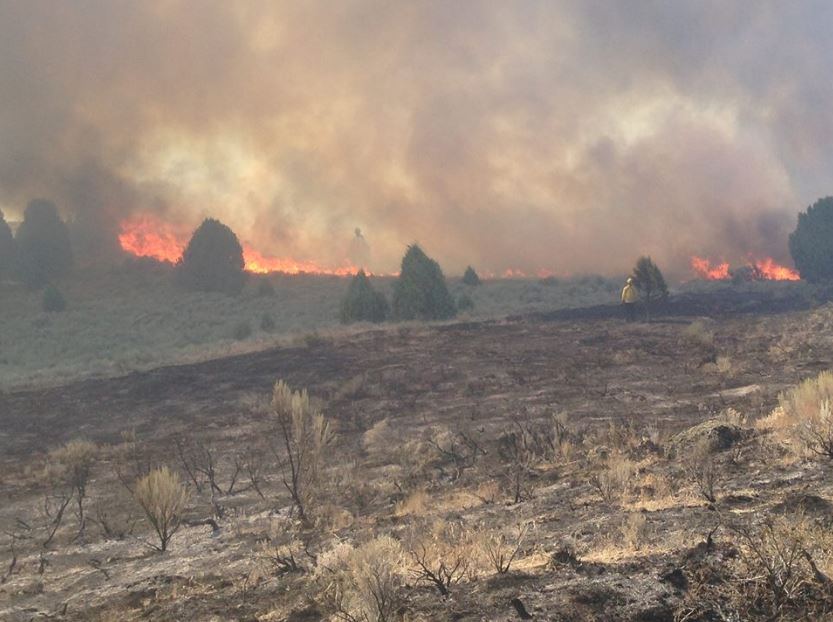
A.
x: 629, y: 297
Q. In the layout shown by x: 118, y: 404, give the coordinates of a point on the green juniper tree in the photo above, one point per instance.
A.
x: 44, y: 251
x: 650, y: 283
x: 420, y: 292
x: 811, y: 244
x: 470, y: 277
x: 213, y: 260
x: 363, y: 303
x: 8, y: 248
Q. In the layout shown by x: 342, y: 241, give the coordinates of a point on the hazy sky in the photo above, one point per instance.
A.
x: 568, y: 136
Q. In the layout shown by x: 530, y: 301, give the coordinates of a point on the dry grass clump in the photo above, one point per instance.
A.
x: 415, y: 503
x: 699, y: 333
x: 163, y: 498
x: 724, y: 365
x: 615, y: 478
x: 380, y: 439
x: 805, y: 417
x: 657, y: 491
x: 635, y: 530
x: 362, y: 584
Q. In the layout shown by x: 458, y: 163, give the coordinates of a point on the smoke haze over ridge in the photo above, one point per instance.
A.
x: 567, y: 136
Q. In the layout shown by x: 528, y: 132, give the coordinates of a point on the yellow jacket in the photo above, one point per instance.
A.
x: 630, y: 294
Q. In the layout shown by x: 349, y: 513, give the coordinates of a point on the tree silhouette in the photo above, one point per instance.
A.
x: 44, y: 251
x: 213, y: 260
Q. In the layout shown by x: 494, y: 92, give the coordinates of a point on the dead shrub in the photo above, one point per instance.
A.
x: 442, y: 555
x: 303, y: 433
x: 529, y: 444
x: 67, y: 473
x: 780, y: 571
x: 362, y: 584
x: 621, y: 436
x: 702, y: 467
x: 455, y: 450
x: 163, y: 498
x: 516, y: 449
x: 275, y: 559
x: 501, y: 549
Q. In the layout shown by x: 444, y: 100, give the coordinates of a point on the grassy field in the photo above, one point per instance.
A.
x: 134, y: 317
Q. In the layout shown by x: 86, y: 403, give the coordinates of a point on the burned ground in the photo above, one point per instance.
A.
x: 428, y: 424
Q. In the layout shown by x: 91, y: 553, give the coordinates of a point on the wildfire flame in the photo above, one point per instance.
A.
x: 763, y: 269
x: 703, y: 268
x: 772, y: 271
x: 143, y: 236
x: 147, y: 236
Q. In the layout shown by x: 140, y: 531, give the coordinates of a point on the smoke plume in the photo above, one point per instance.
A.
x: 568, y: 136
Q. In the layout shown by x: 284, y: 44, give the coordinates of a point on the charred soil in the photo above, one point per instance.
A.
x: 566, y: 443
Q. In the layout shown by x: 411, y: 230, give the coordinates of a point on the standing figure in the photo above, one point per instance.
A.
x: 630, y: 295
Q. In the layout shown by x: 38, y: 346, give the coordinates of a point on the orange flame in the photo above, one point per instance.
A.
x: 770, y: 270
x: 256, y: 262
x: 703, y: 269
x: 143, y: 236
x: 147, y: 236
x: 762, y: 269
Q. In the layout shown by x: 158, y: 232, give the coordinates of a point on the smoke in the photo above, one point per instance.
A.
x: 569, y: 136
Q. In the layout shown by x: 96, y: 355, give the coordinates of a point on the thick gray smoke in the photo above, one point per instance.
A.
x: 568, y: 136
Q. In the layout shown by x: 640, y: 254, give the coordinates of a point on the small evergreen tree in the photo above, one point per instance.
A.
x: 470, y: 277
x: 650, y: 282
x: 420, y: 292
x: 53, y: 300
x: 811, y: 244
x: 362, y: 303
x: 8, y: 248
x: 44, y: 251
x: 213, y: 260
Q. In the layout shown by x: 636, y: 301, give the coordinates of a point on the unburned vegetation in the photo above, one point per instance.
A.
x: 524, y: 469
